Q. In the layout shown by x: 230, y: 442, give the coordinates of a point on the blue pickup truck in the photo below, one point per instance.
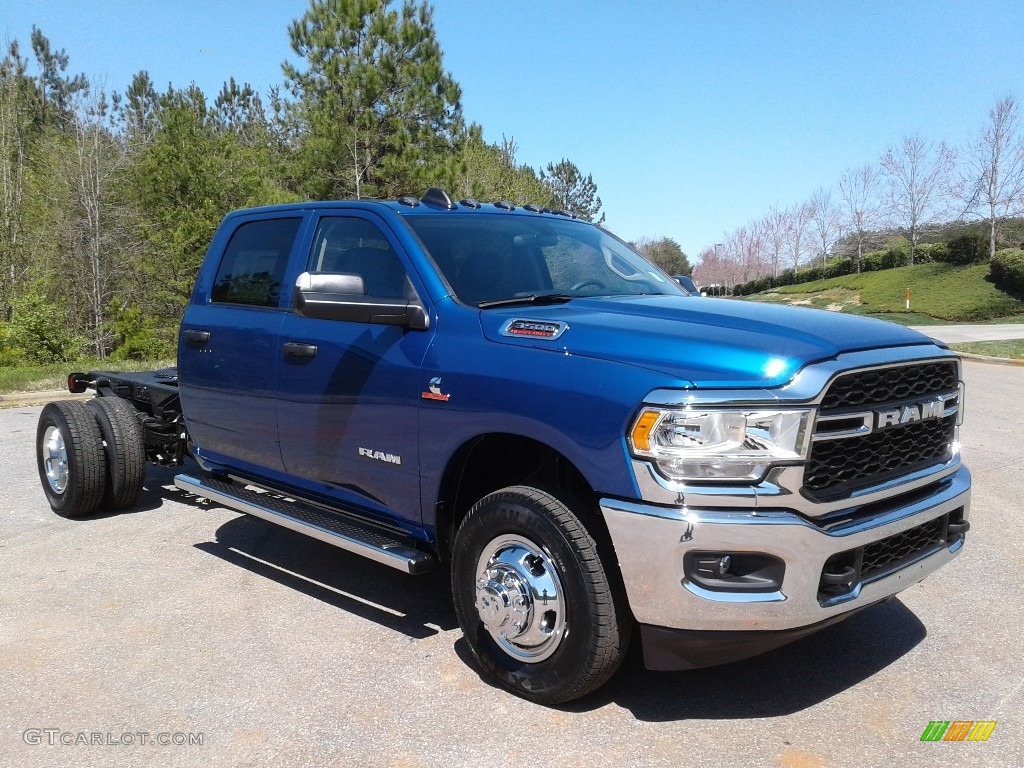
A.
x: 517, y: 396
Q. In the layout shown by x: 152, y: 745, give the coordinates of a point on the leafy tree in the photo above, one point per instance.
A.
x: 40, y: 330
x: 379, y: 115
x: 16, y: 131
x: 571, y: 190
x: 491, y: 172
x: 666, y: 253
x: 184, y: 182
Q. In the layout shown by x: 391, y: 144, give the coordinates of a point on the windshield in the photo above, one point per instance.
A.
x: 490, y: 258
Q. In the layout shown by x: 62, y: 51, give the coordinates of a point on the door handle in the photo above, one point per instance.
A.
x: 295, y: 349
x: 196, y: 337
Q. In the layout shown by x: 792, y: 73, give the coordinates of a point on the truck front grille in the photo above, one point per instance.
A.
x: 839, y: 467
x: 887, y: 385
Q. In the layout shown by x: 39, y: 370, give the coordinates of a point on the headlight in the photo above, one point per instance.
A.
x: 706, y: 444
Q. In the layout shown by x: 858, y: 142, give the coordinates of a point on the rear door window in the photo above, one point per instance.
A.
x: 254, y: 263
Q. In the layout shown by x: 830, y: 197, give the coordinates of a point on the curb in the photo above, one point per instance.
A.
x: 991, y: 360
x: 18, y: 399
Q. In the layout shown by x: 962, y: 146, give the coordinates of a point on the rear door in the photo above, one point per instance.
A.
x: 228, y: 347
x: 348, y: 392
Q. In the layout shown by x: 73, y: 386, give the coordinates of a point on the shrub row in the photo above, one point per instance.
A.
x: 964, y: 250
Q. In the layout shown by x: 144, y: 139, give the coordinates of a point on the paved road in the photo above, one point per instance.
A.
x: 181, y: 617
x: 956, y: 334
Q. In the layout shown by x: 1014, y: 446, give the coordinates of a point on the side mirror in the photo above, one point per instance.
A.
x: 335, y: 296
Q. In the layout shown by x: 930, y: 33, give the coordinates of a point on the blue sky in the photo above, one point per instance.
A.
x: 693, y: 117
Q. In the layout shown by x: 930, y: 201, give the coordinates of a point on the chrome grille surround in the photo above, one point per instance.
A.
x: 784, y: 486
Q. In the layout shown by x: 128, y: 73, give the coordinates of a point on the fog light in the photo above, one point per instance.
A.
x: 735, y: 571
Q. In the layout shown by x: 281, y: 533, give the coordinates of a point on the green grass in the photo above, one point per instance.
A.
x: 54, y: 376
x: 1013, y: 348
x: 940, y: 292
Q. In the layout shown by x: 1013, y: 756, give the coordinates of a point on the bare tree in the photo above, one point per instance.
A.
x: 775, y: 226
x: 90, y: 166
x: 824, y: 219
x: 754, y: 254
x: 799, y: 218
x: 708, y: 269
x: 858, y: 190
x: 994, y: 168
x: 917, y: 175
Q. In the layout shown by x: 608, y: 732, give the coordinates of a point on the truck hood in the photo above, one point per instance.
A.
x: 704, y: 343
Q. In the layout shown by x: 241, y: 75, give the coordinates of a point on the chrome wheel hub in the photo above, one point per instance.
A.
x: 55, y: 459
x: 519, y: 598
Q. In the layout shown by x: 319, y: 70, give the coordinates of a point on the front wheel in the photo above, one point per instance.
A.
x: 534, y: 600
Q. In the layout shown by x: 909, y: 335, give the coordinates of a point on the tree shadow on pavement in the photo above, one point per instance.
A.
x: 417, y: 606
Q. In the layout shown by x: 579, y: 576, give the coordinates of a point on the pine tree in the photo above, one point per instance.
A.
x: 572, y: 191
x: 378, y: 115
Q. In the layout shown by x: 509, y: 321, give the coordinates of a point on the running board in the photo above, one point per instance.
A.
x: 308, y: 519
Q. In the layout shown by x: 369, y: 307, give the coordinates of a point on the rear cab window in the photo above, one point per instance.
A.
x: 254, y: 263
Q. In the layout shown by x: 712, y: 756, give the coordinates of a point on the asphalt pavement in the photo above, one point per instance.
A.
x: 180, y: 633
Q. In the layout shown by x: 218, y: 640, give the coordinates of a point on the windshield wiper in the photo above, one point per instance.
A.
x: 533, y: 298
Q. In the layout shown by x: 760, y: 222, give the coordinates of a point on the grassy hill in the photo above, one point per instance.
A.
x: 938, y: 293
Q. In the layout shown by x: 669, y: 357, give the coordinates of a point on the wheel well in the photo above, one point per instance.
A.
x: 494, y: 461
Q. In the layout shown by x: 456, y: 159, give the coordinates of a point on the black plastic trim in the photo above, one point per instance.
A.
x: 672, y: 650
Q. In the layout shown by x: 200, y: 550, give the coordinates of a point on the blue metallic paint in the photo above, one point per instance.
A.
x: 577, y: 394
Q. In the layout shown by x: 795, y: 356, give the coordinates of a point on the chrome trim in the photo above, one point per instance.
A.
x: 781, y: 489
x: 651, y: 542
x: 809, y: 384
x: 55, y: 459
x: 393, y: 554
x: 783, y: 486
x: 869, y: 416
x: 865, y: 428
x: 520, y: 599
x: 734, y: 597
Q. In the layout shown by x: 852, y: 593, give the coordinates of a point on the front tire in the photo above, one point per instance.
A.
x: 534, y: 600
x: 69, y: 456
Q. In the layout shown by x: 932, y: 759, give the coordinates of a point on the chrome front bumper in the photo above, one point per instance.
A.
x: 652, y: 541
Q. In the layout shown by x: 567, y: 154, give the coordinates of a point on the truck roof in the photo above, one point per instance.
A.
x: 432, y: 201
